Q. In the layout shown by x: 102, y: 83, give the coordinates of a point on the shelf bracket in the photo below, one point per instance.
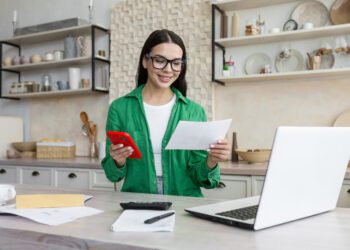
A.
x: 7, y: 70
x: 215, y: 8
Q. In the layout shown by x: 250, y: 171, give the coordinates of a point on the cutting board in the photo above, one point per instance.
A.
x: 11, y: 130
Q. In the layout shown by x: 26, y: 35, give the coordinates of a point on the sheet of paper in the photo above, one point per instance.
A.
x: 51, y: 216
x: 198, y: 135
x: 49, y: 200
x: 133, y: 221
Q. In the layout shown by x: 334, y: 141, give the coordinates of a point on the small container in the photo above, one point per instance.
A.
x: 16, y: 60
x: 58, y: 55
x: 36, y: 58
x: 49, y: 56
x: 7, y: 62
x: 46, y: 82
x: 85, y: 83
x: 36, y: 87
x: 25, y: 60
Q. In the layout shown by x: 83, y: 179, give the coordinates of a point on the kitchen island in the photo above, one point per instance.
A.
x: 329, y: 230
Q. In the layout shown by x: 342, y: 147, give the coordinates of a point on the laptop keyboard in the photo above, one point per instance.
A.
x: 245, y: 213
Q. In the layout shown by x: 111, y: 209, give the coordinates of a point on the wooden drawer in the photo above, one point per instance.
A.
x: 8, y: 174
x: 72, y: 178
x: 36, y: 176
x: 344, y: 197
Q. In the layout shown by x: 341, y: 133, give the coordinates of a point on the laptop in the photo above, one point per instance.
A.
x: 304, y: 178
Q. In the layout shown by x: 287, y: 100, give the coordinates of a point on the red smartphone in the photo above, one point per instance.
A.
x: 118, y: 137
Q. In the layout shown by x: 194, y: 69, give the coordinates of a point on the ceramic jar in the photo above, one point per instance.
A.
x: 7, y: 62
x: 36, y: 58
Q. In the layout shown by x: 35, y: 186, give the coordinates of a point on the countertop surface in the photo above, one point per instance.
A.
x: 325, y: 231
x: 227, y: 168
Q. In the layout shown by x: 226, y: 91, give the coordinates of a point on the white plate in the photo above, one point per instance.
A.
x: 256, y: 62
x: 294, y: 62
x: 311, y: 12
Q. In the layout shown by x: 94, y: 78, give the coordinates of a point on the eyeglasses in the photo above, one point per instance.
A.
x: 160, y: 62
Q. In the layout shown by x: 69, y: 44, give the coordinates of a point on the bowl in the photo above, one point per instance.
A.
x: 254, y: 155
x: 25, y: 146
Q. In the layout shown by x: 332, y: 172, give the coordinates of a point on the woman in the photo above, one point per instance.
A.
x: 150, y: 114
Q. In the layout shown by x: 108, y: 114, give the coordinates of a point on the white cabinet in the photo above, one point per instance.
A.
x: 257, y: 184
x: 72, y: 178
x: 36, y: 176
x: 99, y: 181
x: 233, y: 187
x: 8, y: 174
x: 344, y: 197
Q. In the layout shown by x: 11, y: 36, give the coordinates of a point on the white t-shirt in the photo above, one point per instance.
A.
x: 157, y: 118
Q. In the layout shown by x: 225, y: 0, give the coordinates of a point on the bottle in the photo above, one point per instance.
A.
x: 234, y: 155
x: 260, y: 25
x: 231, y: 66
x: 234, y: 25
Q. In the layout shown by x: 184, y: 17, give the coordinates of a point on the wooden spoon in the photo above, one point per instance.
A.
x: 85, y: 119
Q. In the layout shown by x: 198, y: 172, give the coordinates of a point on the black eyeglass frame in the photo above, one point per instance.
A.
x: 183, y: 62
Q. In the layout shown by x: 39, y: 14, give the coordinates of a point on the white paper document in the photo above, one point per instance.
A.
x: 51, y: 216
x: 198, y: 135
x: 133, y: 221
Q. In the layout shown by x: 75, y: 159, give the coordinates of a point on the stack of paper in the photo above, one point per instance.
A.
x: 133, y: 221
x: 42, y: 208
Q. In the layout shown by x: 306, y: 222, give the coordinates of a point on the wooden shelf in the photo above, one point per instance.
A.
x: 286, y: 36
x: 233, y: 5
x: 51, y: 64
x: 40, y: 37
x: 56, y: 93
x: 287, y: 76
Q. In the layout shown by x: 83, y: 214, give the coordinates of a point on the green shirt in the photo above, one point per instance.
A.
x: 184, y: 171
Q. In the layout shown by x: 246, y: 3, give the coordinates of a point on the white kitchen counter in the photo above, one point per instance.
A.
x: 227, y: 168
x: 330, y: 230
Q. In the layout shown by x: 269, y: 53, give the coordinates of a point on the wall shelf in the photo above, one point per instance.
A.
x: 55, y: 93
x: 222, y: 44
x: 230, y: 5
x: 287, y: 76
x: 285, y: 36
x: 47, y: 65
x: 52, y: 35
x: 96, y: 63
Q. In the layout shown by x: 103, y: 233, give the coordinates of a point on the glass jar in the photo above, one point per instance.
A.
x: 46, y: 82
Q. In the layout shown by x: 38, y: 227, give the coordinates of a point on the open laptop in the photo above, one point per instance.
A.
x: 304, y: 178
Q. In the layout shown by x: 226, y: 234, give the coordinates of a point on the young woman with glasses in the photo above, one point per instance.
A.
x: 150, y: 114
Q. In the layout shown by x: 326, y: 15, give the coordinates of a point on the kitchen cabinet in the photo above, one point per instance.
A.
x: 93, y: 67
x: 36, y: 176
x: 232, y: 187
x: 8, y: 174
x: 78, y: 178
x: 247, y: 8
x: 72, y: 178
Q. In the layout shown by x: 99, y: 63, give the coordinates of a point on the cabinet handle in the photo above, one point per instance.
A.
x: 348, y: 191
x: 35, y: 173
x: 72, y: 176
x: 221, y: 185
x: 2, y: 171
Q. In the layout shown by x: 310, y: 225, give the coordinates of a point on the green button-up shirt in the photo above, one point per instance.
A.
x: 184, y: 171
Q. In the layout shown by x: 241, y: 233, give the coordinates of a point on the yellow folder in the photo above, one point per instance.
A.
x: 49, y: 200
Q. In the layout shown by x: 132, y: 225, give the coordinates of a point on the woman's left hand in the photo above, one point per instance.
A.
x: 218, y: 152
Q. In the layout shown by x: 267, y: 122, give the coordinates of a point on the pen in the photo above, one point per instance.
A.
x: 157, y: 218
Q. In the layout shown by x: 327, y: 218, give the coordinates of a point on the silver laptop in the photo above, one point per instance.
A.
x: 304, y: 178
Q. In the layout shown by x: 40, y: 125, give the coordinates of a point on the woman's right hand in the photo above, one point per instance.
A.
x: 119, y: 153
